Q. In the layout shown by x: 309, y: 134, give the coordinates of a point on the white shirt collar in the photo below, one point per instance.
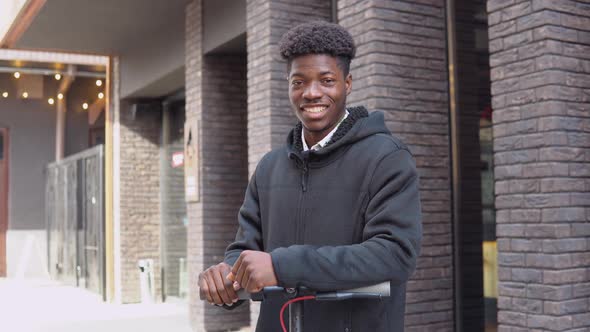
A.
x: 324, y: 140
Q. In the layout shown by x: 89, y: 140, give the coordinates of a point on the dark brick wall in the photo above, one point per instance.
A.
x: 216, y: 99
x: 269, y: 112
x: 400, y: 69
x: 140, y: 197
x: 540, y: 71
x: 224, y: 152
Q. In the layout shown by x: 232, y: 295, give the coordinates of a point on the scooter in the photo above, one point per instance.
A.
x: 296, y: 297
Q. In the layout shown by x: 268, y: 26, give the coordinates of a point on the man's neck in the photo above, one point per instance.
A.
x: 312, y: 138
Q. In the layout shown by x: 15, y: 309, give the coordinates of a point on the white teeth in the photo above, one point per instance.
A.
x: 316, y: 109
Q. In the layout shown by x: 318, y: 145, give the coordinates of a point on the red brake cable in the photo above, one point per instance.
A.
x: 297, y: 299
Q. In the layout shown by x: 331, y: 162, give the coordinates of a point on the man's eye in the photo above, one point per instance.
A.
x: 328, y: 81
x: 296, y: 83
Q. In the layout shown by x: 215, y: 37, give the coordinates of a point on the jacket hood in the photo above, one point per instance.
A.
x: 358, y: 125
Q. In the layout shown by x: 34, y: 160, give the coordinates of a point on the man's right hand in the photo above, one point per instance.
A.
x: 215, y: 287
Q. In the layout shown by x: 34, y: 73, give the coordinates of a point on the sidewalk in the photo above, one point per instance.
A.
x: 46, y: 306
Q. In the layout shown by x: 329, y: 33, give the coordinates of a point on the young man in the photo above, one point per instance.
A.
x: 337, y: 207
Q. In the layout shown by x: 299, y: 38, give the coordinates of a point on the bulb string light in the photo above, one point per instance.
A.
x: 60, y: 96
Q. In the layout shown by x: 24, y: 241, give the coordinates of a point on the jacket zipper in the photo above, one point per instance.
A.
x: 301, y: 213
x: 304, y: 177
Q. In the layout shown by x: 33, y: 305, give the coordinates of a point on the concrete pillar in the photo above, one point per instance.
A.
x: 400, y: 69
x: 540, y: 72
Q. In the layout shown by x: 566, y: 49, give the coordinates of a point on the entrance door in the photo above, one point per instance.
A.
x: 3, y: 198
x: 174, y: 220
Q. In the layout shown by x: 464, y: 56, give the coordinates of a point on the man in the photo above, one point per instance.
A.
x: 337, y: 207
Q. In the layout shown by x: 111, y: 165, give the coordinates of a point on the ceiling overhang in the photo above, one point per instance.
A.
x: 99, y: 27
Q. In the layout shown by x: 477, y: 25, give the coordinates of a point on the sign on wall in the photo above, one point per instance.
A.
x: 191, y: 160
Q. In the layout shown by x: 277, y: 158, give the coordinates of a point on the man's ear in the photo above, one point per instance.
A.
x: 348, y: 83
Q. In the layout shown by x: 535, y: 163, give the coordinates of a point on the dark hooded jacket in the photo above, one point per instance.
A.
x: 345, y: 216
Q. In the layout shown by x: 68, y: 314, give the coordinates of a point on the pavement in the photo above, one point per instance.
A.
x: 29, y: 305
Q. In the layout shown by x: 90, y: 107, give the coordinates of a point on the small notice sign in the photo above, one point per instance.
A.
x: 177, y: 159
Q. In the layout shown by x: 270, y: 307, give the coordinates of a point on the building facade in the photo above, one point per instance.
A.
x: 492, y: 98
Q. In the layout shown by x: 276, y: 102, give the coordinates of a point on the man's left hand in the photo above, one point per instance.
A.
x: 253, y: 271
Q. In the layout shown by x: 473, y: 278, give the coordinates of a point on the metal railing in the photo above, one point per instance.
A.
x: 74, y: 204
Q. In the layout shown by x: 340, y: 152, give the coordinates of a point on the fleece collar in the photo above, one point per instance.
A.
x: 355, y: 114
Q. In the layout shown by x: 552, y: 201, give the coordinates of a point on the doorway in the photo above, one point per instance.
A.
x: 174, y: 221
x: 4, y: 163
x: 473, y: 178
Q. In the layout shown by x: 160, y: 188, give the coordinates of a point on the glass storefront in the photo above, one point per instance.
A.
x: 474, y: 220
x: 174, y: 218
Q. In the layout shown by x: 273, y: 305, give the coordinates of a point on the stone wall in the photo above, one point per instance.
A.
x: 140, y: 197
x: 216, y: 102
x: 401, y: 70
x: 540, y: 71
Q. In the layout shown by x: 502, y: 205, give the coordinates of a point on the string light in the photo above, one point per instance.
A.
x: 5, y: 94
x: 100, y: 95
x: 57, y: 77
x: 98, y: 83
x: 60, y: 96
x: 25, y: 95
x: 85, y: 106
x: 16, y: 75
x: 51, y: 101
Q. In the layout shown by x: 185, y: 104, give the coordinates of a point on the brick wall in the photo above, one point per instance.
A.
x: 400, y: 69
x: 224, y: 153
x: 217, y: 101
x: 140, y: 197
x: 193, y: 82
x: 540, y: 71
x: 270, y: 116
x: 269, y: 112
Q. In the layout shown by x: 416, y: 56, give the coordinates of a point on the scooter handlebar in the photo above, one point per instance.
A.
x: 374, y: 291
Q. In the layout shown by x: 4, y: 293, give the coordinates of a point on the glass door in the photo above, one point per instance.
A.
x: 473, y: 184
x: 174, y: 218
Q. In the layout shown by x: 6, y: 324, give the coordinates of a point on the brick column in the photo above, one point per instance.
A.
x: 195, y: 236
x: 216, y: 100
x: 401, y: 70
x: 270, y: 116
x: 540, y: 71
x: 269, y: 112
x: 139, y: 197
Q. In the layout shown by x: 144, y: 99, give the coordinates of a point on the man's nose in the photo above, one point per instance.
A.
x: 312, y: 91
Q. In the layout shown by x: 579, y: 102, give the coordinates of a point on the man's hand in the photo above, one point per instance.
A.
x: 215, y: 287
x: 253, y: 271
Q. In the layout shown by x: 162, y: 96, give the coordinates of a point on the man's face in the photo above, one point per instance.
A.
x: 317, y: 91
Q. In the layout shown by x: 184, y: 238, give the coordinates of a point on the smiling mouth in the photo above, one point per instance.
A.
x: 315, y: 109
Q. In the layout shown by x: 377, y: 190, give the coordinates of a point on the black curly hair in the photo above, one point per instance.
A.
x: 318, y: 38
